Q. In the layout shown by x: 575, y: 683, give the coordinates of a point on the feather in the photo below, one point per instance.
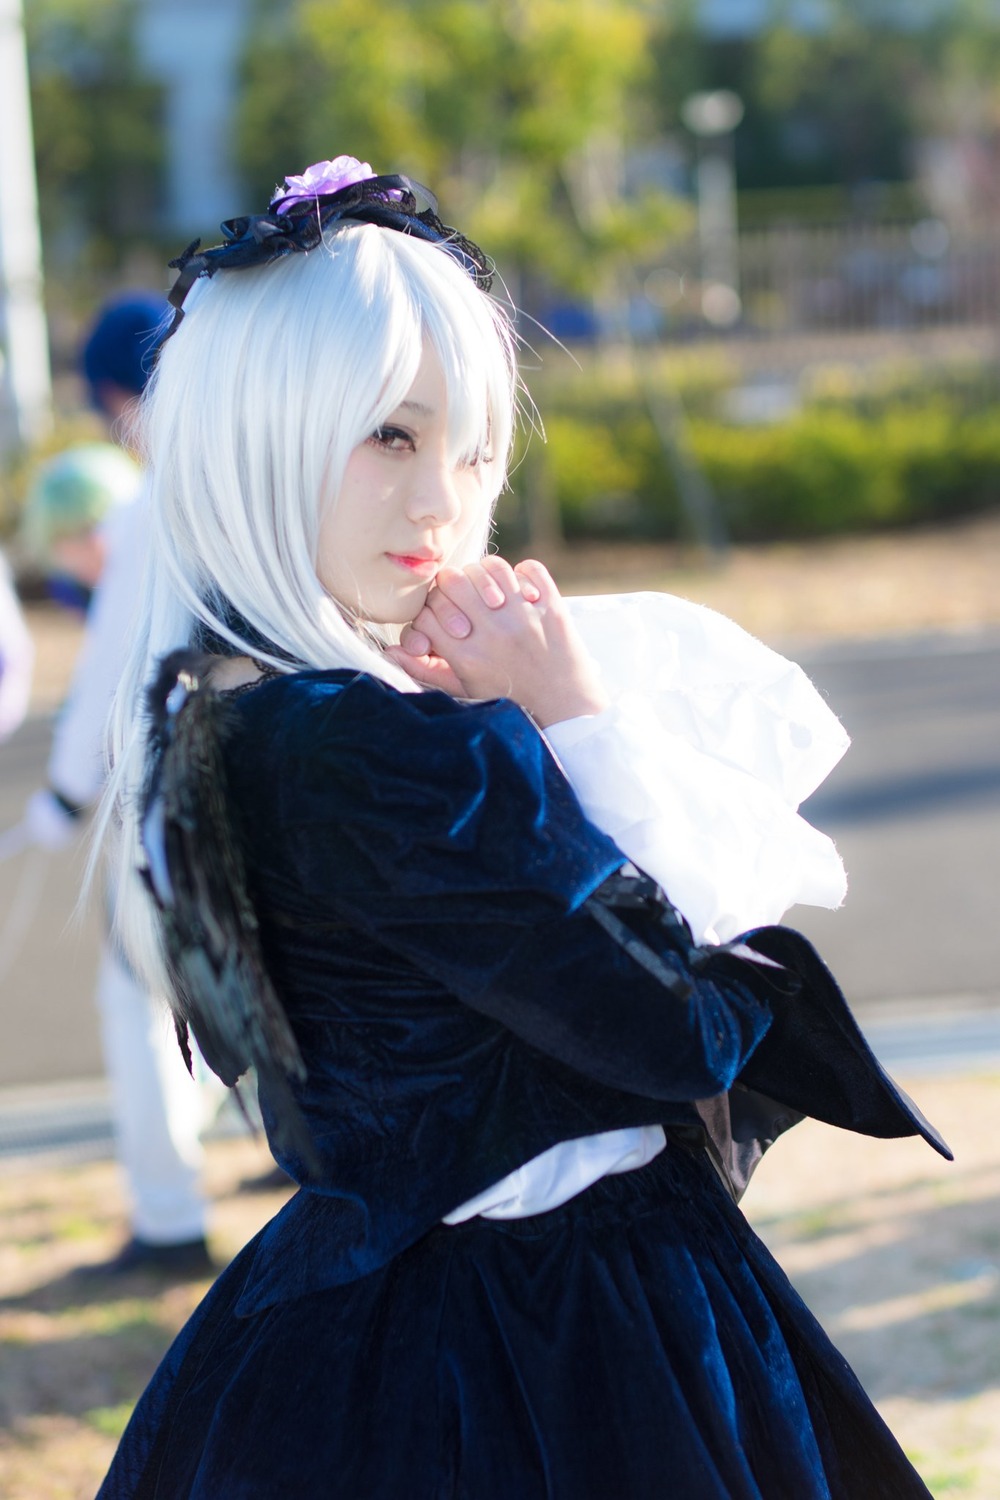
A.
x: 196, y: 872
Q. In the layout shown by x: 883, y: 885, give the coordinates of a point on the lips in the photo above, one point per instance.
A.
x: 423, y: 563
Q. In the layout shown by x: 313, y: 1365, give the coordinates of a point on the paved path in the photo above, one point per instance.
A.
x: 915, y: 810
x: 48, y: 952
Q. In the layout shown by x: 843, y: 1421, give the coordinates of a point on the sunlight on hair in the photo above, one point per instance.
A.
x: 275, y: 375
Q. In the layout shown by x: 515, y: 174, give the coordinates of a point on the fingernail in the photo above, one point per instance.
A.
x: 416, y: 644
x: 459, y: 626
x: 530, y: 592
x: 494, y: 597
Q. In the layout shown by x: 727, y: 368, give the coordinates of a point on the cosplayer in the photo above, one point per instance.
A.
x: 462, y: 868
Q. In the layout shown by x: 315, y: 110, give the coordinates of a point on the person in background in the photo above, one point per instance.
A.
x: 85, y: 520
x: 70, y: 515
x: 16, y: 656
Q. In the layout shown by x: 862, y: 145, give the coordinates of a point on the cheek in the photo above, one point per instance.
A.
x: 475, y: 507
x: 344, y: 528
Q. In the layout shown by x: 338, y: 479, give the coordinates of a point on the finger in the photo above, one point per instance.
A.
x: 502, y: 574
x: 429, y: 671
x: 455, y: 593
x: 537, y: 577
x: 414, y: 642
x: 427, y: 626
x: 442, y: 609
x: 490, y: 590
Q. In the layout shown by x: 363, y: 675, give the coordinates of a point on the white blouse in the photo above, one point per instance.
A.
x: 696, y: 770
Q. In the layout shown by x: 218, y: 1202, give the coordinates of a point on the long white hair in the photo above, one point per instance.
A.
x: 274, y: 376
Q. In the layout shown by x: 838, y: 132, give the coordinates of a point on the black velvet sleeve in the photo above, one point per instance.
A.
x: 448, y: 833
x: 815, y: 1058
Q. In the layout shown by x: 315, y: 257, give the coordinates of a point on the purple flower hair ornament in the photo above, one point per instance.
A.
x: 321, y: 178
x: 324, y: 196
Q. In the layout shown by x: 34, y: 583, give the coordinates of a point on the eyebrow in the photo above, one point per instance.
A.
x: 416, y: 406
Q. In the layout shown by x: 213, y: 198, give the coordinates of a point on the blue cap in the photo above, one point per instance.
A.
x: 123, y: 342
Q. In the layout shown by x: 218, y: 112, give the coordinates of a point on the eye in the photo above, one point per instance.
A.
x: 392, y: 440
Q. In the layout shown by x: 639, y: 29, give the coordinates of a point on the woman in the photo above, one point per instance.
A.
x: 520, y: 1097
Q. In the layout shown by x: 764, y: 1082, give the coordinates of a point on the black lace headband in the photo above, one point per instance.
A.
x: 299, y: 216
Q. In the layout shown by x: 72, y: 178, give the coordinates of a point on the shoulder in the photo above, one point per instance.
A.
x: 347, y: 727
x: 415, y: 785
x: 342, y: 703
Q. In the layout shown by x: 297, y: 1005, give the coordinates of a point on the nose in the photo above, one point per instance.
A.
x: 435, y: 499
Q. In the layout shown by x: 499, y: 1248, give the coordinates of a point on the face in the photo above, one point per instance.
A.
x: 80, y: 556
x: 402, y: 509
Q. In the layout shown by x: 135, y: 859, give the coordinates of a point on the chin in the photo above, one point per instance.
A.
x: 401, y: 610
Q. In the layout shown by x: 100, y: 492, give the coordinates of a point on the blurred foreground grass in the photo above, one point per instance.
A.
x: 895, y: 1250
x: 77, y: 1351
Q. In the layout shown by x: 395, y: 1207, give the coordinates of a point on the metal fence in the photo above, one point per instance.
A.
x: 852, y: 278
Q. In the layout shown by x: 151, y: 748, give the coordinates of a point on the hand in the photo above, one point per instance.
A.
x: 493, y: 631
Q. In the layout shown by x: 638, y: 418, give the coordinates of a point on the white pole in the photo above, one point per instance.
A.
x: 26, y: 377
x: 713, y: 117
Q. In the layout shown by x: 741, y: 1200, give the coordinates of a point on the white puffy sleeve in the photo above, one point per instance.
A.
x: 698, y: 766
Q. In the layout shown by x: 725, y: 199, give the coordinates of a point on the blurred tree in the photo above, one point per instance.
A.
x: 838, y: 99
x: 844, y: 97
x: 97, y: 126
x: 967, y: 96
x: 517, y: 111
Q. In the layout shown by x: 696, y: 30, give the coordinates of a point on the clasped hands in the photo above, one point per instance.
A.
x: 492, y: 631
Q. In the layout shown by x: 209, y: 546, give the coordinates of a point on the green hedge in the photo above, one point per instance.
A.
x: 828, y: 471
x: 829, y: 468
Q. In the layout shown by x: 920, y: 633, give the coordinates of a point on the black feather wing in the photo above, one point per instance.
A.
x: 196, y: 871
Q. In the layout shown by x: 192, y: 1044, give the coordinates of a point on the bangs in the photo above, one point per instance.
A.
x: 420, y: 292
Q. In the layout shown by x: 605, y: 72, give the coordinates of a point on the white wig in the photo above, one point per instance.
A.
x: 274, y: 376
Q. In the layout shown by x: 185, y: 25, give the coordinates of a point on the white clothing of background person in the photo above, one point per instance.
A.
x: 17, y: 656
x: 158, y: 1108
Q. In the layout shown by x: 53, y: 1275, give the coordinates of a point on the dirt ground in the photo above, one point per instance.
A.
x: 938, y: 578
x: 896, y: 1251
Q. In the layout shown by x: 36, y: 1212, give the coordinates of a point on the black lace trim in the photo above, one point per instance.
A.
x: 267, y: 674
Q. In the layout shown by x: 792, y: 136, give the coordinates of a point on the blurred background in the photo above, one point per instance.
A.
x: 779, y: 215
x: 754, y: 249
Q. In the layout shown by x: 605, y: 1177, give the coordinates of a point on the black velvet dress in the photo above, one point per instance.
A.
x: 426, y: 885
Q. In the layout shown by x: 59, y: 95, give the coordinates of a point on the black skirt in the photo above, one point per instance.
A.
x: 637, y: 1342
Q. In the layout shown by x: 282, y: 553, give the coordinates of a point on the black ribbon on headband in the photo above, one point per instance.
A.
x: 392, y: 202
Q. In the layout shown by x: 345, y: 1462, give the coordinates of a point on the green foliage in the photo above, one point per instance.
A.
x: 109, y: 1421
x: 914, y: 454
x: 505, y: 106
x: 98, y: 130
x: 608, y: 475
x: 844, y: 102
